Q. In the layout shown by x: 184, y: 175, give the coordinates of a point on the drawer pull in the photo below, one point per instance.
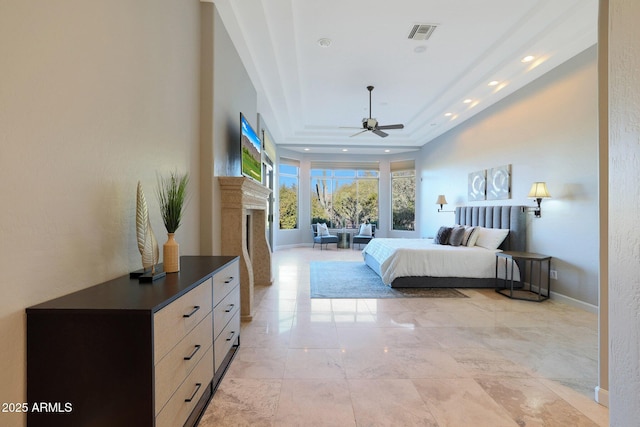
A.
x: 231, y: 335
x: 228, y: 310
x: 198, y: 385
x: 229, y: 280
x: 195, y: 308
x: 189, y: 357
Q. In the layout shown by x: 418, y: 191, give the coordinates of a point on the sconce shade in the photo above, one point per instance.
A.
x: 539, y: 191
x: 441, y: 200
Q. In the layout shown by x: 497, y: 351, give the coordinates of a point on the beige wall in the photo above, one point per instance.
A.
x: 602, y: 392
x: 547, y: 131
x: 226, y: 92
x: 94, y: 96
x: 624, y: 199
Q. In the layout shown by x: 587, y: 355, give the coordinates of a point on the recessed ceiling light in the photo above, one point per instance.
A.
x: 419, y: 49
x: 387, y: 151
x: 307, y: 149
x: 468, y: 101
x: 528, y: 58
x: 324, y: 42
x: 494, y: 83
x: 448, y: 114
x: 344, y: 149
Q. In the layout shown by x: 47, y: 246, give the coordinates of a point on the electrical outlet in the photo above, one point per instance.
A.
x: 553, y: 274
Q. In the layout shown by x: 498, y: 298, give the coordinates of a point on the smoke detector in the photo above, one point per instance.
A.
x: 421, y: 31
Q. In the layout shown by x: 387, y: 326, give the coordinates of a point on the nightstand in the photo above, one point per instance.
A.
x: 535, y: 273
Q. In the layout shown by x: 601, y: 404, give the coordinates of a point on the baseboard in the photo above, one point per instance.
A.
x: 602, y: 396
x: 292, y: 246
x: 574, y: 302
x: 569, y: 301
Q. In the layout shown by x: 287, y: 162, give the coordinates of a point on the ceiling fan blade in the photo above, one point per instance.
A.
x: 380, y: 133
x: 358, y: 133
x: 350, y: 127
x: 391, y: 127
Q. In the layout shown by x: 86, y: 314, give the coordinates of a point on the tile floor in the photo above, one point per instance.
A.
x: 479, y: 361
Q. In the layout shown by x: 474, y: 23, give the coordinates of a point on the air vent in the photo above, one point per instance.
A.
x: 421, y: 31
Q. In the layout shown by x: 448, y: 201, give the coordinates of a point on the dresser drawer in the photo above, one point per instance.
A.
x: 226, y: 339
x: 224, y: 311
x: 183, y: 401
x: 176, y: 320
x: 224, y: 281
x: 171, y: 371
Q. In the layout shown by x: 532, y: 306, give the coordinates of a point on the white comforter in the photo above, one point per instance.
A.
x: 421, y: 257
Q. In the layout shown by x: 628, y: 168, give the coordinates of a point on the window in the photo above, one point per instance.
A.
x: 288, y: 193
x: 344, y: 197
x: 403, y: 195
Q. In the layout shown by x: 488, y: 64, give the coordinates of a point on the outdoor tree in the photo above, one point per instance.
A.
x: 403, y: 204
x: 288, y: 207
x: 321, y: 201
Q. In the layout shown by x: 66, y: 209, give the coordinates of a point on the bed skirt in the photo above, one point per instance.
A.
x: 437, y: 282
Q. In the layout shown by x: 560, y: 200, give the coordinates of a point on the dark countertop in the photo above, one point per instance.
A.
x: 128, y: 294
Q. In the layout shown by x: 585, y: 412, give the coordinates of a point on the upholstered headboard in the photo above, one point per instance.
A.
x: 511, y: 217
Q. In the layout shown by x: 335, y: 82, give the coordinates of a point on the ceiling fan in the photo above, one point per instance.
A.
x: 371, y: 125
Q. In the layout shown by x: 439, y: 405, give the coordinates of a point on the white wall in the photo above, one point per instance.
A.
x: 548, y: 132
x: 624, y: 199
x: 94, y: 96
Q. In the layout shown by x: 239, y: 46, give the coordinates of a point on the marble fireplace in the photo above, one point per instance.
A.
x: 244, y: 220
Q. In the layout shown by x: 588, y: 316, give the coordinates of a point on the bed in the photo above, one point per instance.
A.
x: 421, y: 263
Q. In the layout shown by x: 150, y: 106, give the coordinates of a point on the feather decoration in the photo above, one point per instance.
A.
x: 142, y: 218
x: 147, y: 243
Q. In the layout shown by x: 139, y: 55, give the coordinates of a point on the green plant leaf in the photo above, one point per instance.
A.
x: 172, y: 197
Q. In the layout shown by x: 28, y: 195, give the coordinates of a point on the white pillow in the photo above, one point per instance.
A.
x: 323, y: 231
x: 365, y: 230
x: 491, y: 238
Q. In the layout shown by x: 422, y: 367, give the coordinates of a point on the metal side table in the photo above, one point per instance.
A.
x: 344, y: 239
x: 532, y: 280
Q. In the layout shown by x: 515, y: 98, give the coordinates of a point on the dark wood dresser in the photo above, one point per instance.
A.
x: 123, y: 353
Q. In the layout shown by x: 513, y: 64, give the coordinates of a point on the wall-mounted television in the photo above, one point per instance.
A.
x: 251, y: 156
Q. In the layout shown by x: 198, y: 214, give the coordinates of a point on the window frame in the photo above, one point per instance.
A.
x: 287, y: 175
x: 398, y: 172
x: 337, y: 175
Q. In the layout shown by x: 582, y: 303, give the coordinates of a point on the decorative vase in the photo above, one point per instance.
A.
x: 171, y: 254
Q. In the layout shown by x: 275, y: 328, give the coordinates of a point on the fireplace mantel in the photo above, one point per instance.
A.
x: 244, y: 210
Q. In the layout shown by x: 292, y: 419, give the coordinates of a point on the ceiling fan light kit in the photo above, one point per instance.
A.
x: 371, y: 125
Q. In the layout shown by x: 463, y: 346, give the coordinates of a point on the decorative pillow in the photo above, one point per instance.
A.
x: 442, y: 238
x: 456, y: 236
x: 323, y: 231
x: 491, y: 238
x: 470, y: 236
x: 365, y: 230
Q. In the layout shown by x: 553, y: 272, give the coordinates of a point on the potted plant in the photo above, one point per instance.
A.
x: 172, y: 197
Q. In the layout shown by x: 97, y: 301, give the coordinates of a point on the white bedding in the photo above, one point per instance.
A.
x: 421, y: 257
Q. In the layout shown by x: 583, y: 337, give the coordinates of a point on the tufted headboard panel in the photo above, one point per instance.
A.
x: 511, y: 217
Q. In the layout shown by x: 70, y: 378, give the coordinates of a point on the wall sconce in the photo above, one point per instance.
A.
x: 538, y: 192
x: 442, y: 201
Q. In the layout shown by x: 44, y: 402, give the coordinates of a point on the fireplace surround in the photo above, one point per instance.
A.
x: 243, y: 220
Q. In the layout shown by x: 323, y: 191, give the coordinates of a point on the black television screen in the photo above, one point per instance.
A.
x: 251, y: 147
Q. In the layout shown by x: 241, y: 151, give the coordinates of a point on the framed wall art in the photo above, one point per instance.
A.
x: 477, y: 185
x: 499, y: 183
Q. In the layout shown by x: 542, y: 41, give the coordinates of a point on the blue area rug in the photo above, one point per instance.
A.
x: 341, y: 279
